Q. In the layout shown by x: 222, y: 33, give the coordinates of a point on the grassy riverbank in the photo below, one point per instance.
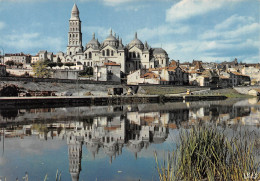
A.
x: 204, y: 153
x: 196, y: 91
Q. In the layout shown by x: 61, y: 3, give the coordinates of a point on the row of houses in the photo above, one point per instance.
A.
x: 176, y: 74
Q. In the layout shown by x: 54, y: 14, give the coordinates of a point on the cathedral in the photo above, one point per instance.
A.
x: 133, y: 56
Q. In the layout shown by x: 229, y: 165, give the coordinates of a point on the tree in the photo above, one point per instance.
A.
x: 86, y: 71
x: 60, y: 64
x: 9, y: 63
x: 52, y: 64
x: 69, y: 64
x: 19, y: 65
x: 40, y: 69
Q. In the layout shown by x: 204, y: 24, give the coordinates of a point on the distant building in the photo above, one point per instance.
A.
x: 110, y: 71
x: 44, y: 55
x: 18, y: 58
x: 171, y: 75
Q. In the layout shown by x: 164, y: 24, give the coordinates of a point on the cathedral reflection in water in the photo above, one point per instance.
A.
x: 131, y: 127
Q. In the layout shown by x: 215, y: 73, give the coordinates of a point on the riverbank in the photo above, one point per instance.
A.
x: 97, y: 100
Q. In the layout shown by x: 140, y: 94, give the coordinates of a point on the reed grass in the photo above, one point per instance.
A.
x: 204, y: 153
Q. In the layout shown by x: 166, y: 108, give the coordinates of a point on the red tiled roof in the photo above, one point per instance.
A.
x: 112, y: 64
x: 150, y: 75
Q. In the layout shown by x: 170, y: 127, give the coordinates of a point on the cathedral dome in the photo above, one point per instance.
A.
x: 93, y: 43
x: 159, y: 51
x: 136, y: 42
x: 111, y: 40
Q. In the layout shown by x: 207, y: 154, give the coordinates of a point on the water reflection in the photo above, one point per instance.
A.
x: 109, y: 129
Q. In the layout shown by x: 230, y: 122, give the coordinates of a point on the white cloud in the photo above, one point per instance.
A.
x: 188, y: 8
x: 27, y: 41
x: 2, y: 25
x: 234, y: 27
x: 234, y: 21
x: 163, y: 30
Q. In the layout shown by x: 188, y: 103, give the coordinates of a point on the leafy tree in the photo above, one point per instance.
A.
x: 58, y: 59
x: 40, y: 69
x: 19, y: 64
x: 9, y: 63
x: 69, y: 64
x: 86, y: 71
x: 52, y: 64
x: 47, y: 61
x: 60, y: 64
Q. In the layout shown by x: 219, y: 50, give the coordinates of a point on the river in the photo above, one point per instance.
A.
x: 109, y: 142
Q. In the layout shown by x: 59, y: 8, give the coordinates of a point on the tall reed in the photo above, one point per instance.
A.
x: 204, y: 153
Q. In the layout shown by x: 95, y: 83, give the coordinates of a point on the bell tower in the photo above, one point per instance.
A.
x: 74, y: 34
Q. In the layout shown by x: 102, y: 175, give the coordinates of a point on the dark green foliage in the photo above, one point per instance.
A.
x: 86, y: 71
x: 9, y: 91
x: 60, y: 64
x: 69, y: 64
x: 9, y: 63
x: 52, y: 64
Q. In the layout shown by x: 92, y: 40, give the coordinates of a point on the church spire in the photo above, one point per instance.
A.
x: 135, y: 35
x: 93, y: 36
x: 75, y: 12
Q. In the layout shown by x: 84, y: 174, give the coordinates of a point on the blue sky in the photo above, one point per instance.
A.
x: 208, y: 30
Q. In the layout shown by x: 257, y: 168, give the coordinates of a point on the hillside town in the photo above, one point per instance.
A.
x: 135, y: 63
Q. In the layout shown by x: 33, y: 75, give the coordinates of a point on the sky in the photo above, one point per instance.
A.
x: 207, y: 30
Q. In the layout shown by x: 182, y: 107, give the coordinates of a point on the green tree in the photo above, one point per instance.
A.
x: 19, y: 65
x: 40, y: 69
x: 69, y: 64
x: 9, y: 63
x: 86, y: 71
x: 52, y: 64
x: 60, y: 64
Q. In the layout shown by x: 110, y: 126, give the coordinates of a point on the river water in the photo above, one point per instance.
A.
x: 109, y: 142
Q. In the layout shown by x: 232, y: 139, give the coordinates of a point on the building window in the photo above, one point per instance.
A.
x: 107, y: 52
x: 85, y: 63
x: 86, y: 55
x: 70, y: 53
x: 89, y: 55
x: 112, y: 53
x: 120, y: 54
x: 103, y: 52
x: 130, y: 54
x: 145, y: 56
x: 88, y: 63
x: 138, y: 55
x: 91, y: 63
x: 134, y: 55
